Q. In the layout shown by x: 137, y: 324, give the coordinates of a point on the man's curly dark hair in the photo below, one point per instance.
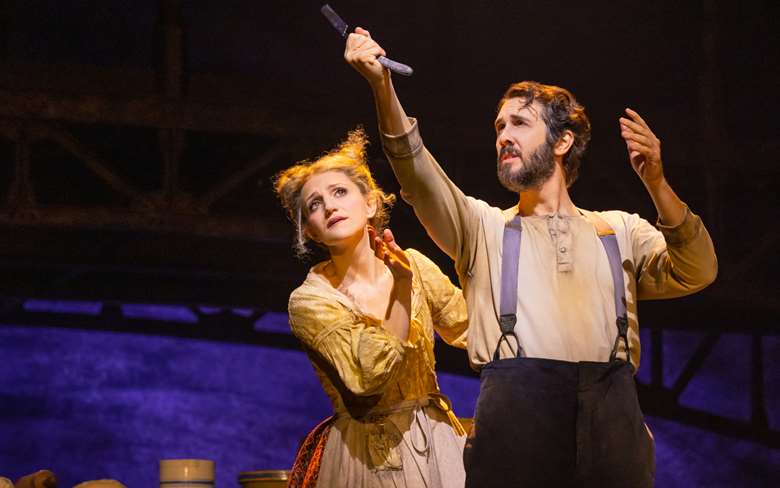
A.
x: 560, y: 112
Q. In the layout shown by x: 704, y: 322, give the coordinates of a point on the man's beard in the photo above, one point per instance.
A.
x: 534, y: 171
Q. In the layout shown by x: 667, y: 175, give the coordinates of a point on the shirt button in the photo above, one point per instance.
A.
x: 563, y: 249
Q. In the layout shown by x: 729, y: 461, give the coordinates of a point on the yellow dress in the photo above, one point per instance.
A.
x: 393, y: 427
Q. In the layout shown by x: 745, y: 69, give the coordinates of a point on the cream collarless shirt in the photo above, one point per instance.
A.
x: 566, y: 307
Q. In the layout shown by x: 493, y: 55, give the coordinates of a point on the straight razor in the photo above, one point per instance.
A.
x: 342, y: 28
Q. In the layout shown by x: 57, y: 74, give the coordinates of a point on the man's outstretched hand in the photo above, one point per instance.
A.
x: 644, y: 152
x: 644, y: 148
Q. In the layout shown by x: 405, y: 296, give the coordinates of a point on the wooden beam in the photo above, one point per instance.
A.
x: 225, y: 186
x: 655, y: 402
x: 695, y: 363
x: 150, y: 111
x: 118, y: 218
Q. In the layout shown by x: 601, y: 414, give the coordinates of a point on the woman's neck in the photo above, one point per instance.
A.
x: 355, y: 262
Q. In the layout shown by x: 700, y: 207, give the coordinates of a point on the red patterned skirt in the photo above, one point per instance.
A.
x: 309, y: 457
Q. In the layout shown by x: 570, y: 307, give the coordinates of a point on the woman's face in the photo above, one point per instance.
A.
x: 336, y: 211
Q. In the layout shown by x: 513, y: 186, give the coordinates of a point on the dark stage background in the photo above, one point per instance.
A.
x: 145, y: 264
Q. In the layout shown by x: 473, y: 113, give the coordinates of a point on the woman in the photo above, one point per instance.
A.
x: 366, y: 318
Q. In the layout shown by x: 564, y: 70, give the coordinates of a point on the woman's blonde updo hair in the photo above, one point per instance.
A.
x: 349, y: 158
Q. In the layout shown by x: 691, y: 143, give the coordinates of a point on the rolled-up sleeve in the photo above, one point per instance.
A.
x: 673, y: 261
x: 362, y: 353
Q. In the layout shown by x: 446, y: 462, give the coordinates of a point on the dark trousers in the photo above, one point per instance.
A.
x: 548, y: 423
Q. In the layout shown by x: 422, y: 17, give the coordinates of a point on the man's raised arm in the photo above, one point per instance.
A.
x: 445, y: 212
x: 361, y: 53
x: 690, y: 263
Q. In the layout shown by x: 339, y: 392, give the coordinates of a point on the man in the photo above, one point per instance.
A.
x: 551, y: 289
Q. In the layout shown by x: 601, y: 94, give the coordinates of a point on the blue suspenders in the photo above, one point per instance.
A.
x: 610, y: 244
x: 510, y: 259
x: 509, y: 264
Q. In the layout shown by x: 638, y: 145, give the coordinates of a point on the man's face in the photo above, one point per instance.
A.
x: 525, y: 159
